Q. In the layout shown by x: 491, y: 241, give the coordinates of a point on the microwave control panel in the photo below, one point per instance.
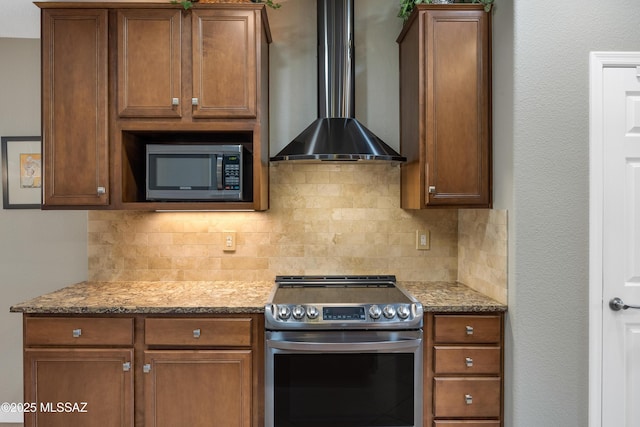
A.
x: 231, y: 172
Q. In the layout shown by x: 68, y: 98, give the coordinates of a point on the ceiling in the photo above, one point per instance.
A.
x: 19, y: 19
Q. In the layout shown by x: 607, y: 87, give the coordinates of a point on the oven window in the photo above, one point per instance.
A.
x: 344, y: 390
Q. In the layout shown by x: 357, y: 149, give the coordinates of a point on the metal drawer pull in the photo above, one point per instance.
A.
x: 194, y: 102
x: 146, y: 368
x: 196, y: 333
x: 101, y: 190
x: 175, y: 102
x: 468, y: 399
x: 616, y: 304
x: 76, y: 333
x: 469, y: 330
x: 469, y: 362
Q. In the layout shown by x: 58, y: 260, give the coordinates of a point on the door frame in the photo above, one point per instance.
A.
x: 598, y: 61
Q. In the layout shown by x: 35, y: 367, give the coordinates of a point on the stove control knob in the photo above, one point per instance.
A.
x: 403, y: 311
x: 298, y: 312
x: 284, y: 312
x: 312, y: 312
x: 375, y: 312
x: 389, y: 312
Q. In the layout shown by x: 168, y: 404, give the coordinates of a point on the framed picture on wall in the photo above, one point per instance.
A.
x: 21, y: 172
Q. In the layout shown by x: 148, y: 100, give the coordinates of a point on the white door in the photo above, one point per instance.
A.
x: 617, y: 156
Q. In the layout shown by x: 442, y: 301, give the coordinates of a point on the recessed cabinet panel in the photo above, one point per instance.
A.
x: 79, y: 387
x: 74, y: 108
x: 224, y: 64
x: 149, y: 63
x: 455, y: 109
x: 198, y: 388
x: 445, y: 107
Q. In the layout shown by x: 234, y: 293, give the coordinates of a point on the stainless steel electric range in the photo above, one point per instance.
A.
x: 343, y: 351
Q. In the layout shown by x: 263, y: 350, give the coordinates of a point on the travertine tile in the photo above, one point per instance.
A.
x: 323, y: 219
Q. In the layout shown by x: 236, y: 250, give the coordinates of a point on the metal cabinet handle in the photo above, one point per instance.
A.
x: 196, y: 333
x: 468, y: 361
x: 616, y: 304
x: 194, y: 102
x: 77, y: 333
x: 175, y: 102
x: 432, y: 189
x: 102, y: 190
x: 468, y: 399
x: 469, y: 330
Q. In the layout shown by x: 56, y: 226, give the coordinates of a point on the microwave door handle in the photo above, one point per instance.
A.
x: 219, y: 172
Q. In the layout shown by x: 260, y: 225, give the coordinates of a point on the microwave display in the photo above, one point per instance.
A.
x: 196, y: 172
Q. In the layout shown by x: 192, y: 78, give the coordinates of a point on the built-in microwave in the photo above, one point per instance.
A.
x: 198, y: 172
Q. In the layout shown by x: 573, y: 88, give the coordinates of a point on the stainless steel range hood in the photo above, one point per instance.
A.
x: 336, y: 135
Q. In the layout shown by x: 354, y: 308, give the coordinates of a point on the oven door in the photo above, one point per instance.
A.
x: 343, y: 379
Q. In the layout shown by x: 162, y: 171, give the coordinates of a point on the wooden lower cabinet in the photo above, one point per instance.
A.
x: 141, y: 371
x: 463, y: 370
x: 198, y: 388
x: 78, y: 387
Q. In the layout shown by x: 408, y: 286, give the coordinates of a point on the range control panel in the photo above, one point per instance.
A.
x: 359, y: 316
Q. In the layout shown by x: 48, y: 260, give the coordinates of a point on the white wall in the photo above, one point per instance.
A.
x: 541, y: 139
x: 40, y: 251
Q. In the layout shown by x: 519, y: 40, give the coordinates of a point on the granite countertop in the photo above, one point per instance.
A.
x: 219, y: 298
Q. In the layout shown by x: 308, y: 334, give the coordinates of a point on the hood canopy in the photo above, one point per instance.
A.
x: 336, y: 135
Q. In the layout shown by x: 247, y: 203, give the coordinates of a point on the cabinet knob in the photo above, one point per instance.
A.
x: 126, y: 366
x: 432, y: 189
x: 102, y: 190
x: 468, y: 361
x: 469, y: 330
x: 196, y: 333
x: 468, y: 399
x: 146, y: 368
x: 194, y: 102
x: 77, y: 333
x: 175, y: 102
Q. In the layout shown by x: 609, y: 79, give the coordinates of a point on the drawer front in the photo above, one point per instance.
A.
x: 78, y: 331
x: 467, y: 329
x: 467, y: 397
x: 457, y: 423
x: 467, y: 360
x: 198, y: 332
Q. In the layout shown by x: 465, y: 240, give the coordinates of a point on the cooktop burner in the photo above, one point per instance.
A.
x: 341, y: 302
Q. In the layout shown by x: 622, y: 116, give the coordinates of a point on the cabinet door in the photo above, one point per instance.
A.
x: 199, y: 388
x: 149, y: 63
x: 79, y: 387
x: 224, y: 63
x: 74, y: 107
x: 458, y: 107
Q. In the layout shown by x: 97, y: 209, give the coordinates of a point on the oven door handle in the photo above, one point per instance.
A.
x: 345, y: 347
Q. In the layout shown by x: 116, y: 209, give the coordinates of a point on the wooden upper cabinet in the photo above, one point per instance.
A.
x: 205, y: 68
x: 75, y: 108
x: 445, y: 107
x: 149, y: 63
x: 224, y: 64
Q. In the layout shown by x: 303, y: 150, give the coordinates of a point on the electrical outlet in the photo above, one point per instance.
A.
x: 423, y: 240
x: 228, y: 241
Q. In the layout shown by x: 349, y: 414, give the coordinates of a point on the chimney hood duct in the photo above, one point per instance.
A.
x: 336, y: 135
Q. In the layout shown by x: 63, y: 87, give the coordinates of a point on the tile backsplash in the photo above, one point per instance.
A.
x: 323, y: 219
x: 482, y: 251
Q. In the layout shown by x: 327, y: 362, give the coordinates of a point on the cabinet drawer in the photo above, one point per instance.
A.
x: 78, y: 331
x: 198, y: 332
x: 467, y: 397
x: 466, y: 360
x: 467, y: 329
x: 458, y: 423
